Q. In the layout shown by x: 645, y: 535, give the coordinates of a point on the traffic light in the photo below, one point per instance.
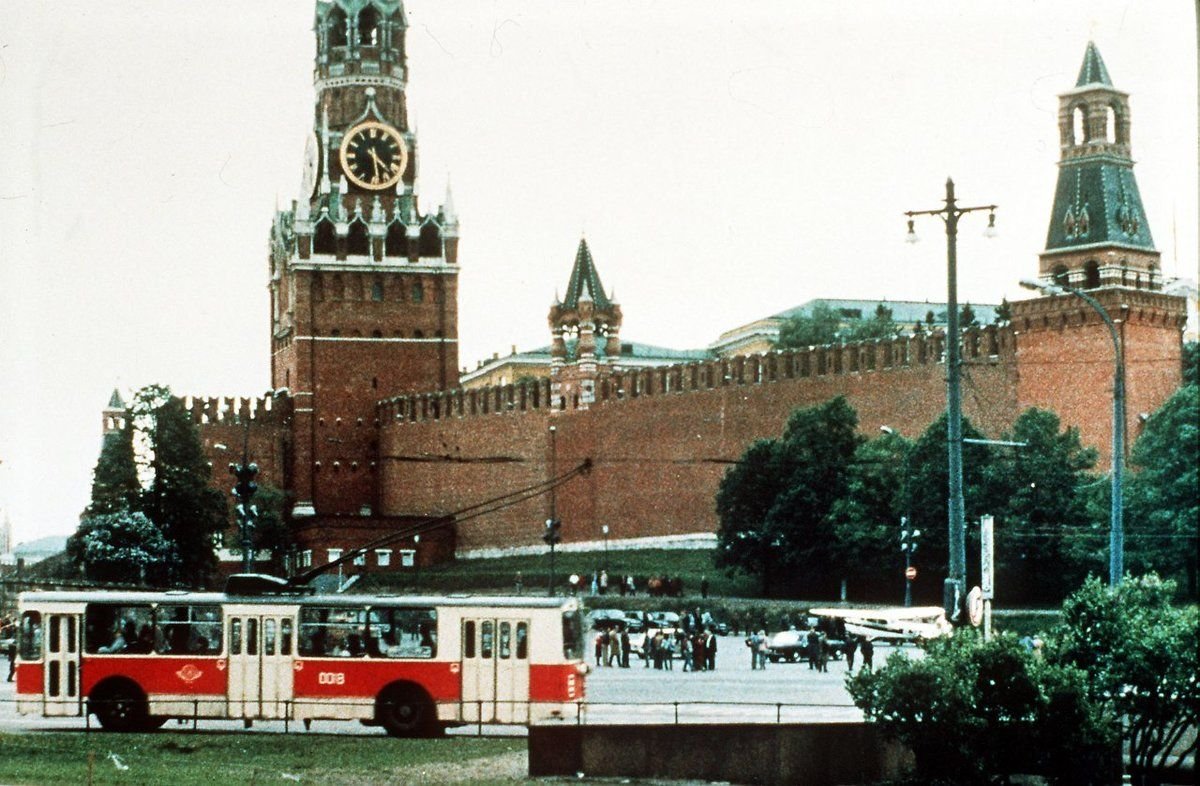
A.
x: 553, y: 533
x: 909, y: 538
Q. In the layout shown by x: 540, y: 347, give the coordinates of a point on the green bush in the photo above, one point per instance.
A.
x: 977, y: 712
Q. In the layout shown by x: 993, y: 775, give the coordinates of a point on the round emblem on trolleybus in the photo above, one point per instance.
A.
x: 189, y: 673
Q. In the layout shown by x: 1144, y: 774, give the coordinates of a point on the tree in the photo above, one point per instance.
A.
x: 1164, y: 494
x: 1041, y: 511
x: 866, y: 518
x: 975, y: 712
x: 821, y: 326
x: 966, y: 316
x: 774, y: 506
x: 1003, y: 312
x: 1142, y: 656
x: 121, y: 546
x: 178, y: 499
x: 880, y: 325
x: 115, y: 484
x: 1191, y: 363
x: 271, y: 529
x: 925, y: 499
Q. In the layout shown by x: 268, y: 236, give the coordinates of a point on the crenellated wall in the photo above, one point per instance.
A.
x: 660, y: 439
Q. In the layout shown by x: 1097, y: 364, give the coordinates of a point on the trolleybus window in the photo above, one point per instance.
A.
x: 118, y: 629
x: 332, y: 632
x: 572, y: 635
x: 522, y: 640
x: 188, y: 630
x: 402, y: 633
x: 485, y: 639
x: 505, y: 640
x: 31, y: 636
x: 469, y: 639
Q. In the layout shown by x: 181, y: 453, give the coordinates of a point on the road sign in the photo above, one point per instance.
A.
x: 975, y: 606
x: 910, y: 573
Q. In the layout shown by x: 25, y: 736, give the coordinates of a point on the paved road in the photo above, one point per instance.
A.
x: 789, y: 692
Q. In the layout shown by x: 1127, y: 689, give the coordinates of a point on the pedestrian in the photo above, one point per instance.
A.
x: 630, y: 586
x: 11, y: 653
x: 763, y: 646
x: 704, y: 586
x: 520, y: 585
x: 851, y: 648
x: 699, y: 653
x: 621, y: 585
x: 752, y: 645
x: 595, y: 583
x: 688, y: 651
x: 614, y: 648
x: 813, y: 649
x: 822, y: 651
x: 625, y: 648
x: 599, y: 648
x: 868, y: 652
x: 603, y: 582
x: 710, y: 650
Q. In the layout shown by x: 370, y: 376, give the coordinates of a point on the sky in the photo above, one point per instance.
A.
x: 725, y: 161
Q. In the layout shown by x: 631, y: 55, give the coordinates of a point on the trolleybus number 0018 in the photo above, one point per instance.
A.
x: 331, y: 678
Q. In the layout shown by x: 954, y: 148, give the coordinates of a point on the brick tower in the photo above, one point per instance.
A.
x: 585, y: 334
x: 363, y: 283
x: 1099, y: 242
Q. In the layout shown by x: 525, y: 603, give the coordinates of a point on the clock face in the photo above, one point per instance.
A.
x: 374, y: 155
x: 308, y: 178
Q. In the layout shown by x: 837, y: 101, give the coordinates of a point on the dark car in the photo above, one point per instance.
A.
x: 788, y: 645
x: 607, y: 619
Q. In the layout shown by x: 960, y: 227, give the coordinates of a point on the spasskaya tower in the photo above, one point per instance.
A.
x: 363, y: 283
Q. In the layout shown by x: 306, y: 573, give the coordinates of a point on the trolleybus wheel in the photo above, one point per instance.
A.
x: 406, y: 711
x: 122, y: 708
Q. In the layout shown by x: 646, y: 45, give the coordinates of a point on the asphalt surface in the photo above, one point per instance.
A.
x: 787, y: 692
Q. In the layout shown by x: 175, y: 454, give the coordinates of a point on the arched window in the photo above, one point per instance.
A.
x: 1059, y: 274
x: 335, y: 332
x: 377, y: 291
x: 368, y: 27
x: 418, y: 334
x: 1091, y: 275
x: 418, y: 292
x: 398, y: 34
x: 431, y: 240
x: 358, y: 243
x: 336, y: 22
x: 1120, y: 130
x: 1078, y: 125
x: 396, y: 244
x: 376, y: 334
x: 1110, y: 125
x: 324, y: 239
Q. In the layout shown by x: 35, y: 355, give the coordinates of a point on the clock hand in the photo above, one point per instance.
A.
x: 376, y: 160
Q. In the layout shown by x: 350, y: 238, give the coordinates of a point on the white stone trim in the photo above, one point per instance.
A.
x: 697, y: 541
x: 393, y: 340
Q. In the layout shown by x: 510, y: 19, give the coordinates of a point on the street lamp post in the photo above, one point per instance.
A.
x: 604, y: 529
x: 244, y: 490
x: 1116, y: 530
x: 417, y: 559
x: 954, y: 590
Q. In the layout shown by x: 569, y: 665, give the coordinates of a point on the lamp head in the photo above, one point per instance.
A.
x: 911, y: 237
x: 991, y: 232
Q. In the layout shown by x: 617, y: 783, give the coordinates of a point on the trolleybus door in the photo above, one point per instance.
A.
x: 260, y: 665
x: 495, y: 670
x: 61, y: 688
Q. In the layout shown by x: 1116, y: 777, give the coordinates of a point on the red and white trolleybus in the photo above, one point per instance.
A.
x: 411, y: 664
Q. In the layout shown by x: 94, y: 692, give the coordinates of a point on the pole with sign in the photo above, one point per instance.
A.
x: 987, y: 572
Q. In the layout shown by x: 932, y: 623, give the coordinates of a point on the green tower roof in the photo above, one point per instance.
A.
x: 585, y: 281
x: 1093, y: 71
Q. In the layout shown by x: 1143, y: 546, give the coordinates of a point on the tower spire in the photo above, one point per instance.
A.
x: 1098, y: 234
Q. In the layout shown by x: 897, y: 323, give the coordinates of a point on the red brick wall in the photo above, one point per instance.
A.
x: 657, y: 456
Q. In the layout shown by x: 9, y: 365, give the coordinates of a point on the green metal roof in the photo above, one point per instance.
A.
x: 903, y: 311
x: 115, y: 401
x: 1097, y: 201
x: 585, y: 281
x: 1093, y: 71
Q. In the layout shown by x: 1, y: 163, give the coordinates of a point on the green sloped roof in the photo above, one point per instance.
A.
x: 1097, y: 201
x: 1093, y: 71
x: 115, y: 401
x: 903, y: 311
x: 585, y: 281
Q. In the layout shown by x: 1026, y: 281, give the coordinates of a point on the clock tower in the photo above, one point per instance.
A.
x: 363, y: 283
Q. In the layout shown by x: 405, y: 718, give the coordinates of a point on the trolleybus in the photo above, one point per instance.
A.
x: 412, y: 664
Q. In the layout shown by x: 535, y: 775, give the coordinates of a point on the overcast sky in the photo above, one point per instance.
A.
x: 725, y: 160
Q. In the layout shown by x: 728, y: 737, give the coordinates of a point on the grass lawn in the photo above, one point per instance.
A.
x: 184, y: 759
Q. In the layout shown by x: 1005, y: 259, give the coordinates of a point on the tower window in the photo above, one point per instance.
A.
x: 418, y: 292
x: 418, y: 334
x: 357, y: 242
x: 1059, y: 274
x: 376, y: 334
x: 1091, y: 275
x: 396, y: 244
x: 1079, y: 126
x: 324, y: 241
x: 337, y: 24
x: 368, y: 27
x: 1110, y: 125
x: 377, y: 291
x: 431, y: 240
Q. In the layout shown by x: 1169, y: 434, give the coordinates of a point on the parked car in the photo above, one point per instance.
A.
x: 606, y: 619
x: 788, y: 645
x: 634, y: 622
x: 662, y: 619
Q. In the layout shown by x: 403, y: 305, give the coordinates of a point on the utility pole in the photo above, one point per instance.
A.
x: 954, y: 589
